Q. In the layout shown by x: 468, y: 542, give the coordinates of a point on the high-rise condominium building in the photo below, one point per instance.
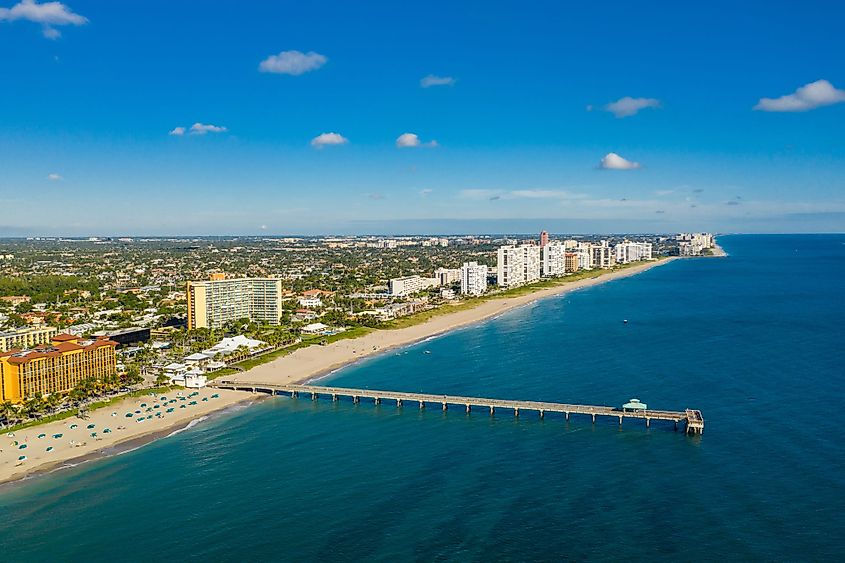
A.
x: 518, y: 265
x: 473, y: 278
x: 632, y: 251
x: 585, y: 255
x: 213, y: 303
x: 571, y: 262
x: 447, y: 276
x: 553, y: 259
x: 408, y: 285
x: 544, y: 238
x: 602, y: 255
x: 56, y: 367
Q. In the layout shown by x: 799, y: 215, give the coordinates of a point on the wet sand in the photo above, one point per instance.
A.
x: 76, y: 442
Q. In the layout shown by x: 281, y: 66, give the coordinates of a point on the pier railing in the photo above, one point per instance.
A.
x: 691, y: 418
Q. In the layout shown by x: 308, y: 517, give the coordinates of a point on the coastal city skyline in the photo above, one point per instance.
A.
x: 476, y: 118
x: 440, y: 281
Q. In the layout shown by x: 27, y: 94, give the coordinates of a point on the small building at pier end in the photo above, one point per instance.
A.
x: 634, y: 405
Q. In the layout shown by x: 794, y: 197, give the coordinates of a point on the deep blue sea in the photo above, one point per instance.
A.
x: 755, y: 340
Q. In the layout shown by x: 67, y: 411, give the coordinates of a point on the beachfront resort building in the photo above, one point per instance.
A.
x: 55, y: 367
x: 552, y: 254
x: 408, y: 285
x: 518, y: 265
x: 628, y: 251
x: 213, y: 303
x: 23, y: 338
x: 473, y: 278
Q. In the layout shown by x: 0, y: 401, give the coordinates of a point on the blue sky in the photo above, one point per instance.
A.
x: 91, y: 92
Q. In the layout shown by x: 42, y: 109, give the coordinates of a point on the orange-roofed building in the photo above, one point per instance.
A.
x: 56, y: 367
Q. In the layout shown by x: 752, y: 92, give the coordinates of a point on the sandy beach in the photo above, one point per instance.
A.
x: 308, y: 363
x: 71, y: 440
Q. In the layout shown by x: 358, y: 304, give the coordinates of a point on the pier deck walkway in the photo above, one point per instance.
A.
x: 692, y: 419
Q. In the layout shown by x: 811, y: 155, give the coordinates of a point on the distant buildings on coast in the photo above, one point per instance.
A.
x: 694, y: 244
x: 520, y: 264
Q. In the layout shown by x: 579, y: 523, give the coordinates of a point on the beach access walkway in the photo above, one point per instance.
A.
x: 692, y: 419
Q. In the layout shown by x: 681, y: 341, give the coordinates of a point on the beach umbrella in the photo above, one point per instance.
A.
x: 57, y: 436
x: 106, y: 431
x: 22, y: 458
x: 22, y: 447
x: 181, y: 406
x: 129, y: 415
x: 50, y: 449
x: 205, y: 399
x: 10, y: 435
x: 72, y: 426
x: 93, y: 434
x: 137, y: 412
x: 41, y: 435
x: 143, y: 405
x: 90, y: 426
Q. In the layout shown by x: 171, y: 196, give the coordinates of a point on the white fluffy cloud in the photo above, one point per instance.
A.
x: 203, y: 128
x: 325, y: 139
x: 810, y: 96
x: 613, y: 161
x: 628, y: 106
x: 197, y: 129
x: 434, y: 80
x: 54, y: 177
x: 292, y: 62
x: 48, y: 14
x: 409, y: 140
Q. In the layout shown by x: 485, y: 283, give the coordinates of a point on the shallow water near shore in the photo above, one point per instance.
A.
x: 753, y: 340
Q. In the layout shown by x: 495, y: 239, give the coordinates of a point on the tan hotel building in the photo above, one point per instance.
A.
x: 213, y: 303
x: 54, y: 368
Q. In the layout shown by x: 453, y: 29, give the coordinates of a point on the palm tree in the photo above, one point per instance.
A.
x: 33, y: 407
x: 9, y: 413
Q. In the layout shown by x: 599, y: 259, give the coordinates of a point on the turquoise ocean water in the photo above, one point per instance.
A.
x: 756, y: 341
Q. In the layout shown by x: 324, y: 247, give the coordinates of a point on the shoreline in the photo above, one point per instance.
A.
x: 303, y: 365
x: 76, y: 445
x: 318, y: 362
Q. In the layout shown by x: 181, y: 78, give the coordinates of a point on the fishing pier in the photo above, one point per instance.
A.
x: 692, y: 419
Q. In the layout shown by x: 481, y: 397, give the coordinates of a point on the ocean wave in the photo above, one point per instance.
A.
x: 188, y: 426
